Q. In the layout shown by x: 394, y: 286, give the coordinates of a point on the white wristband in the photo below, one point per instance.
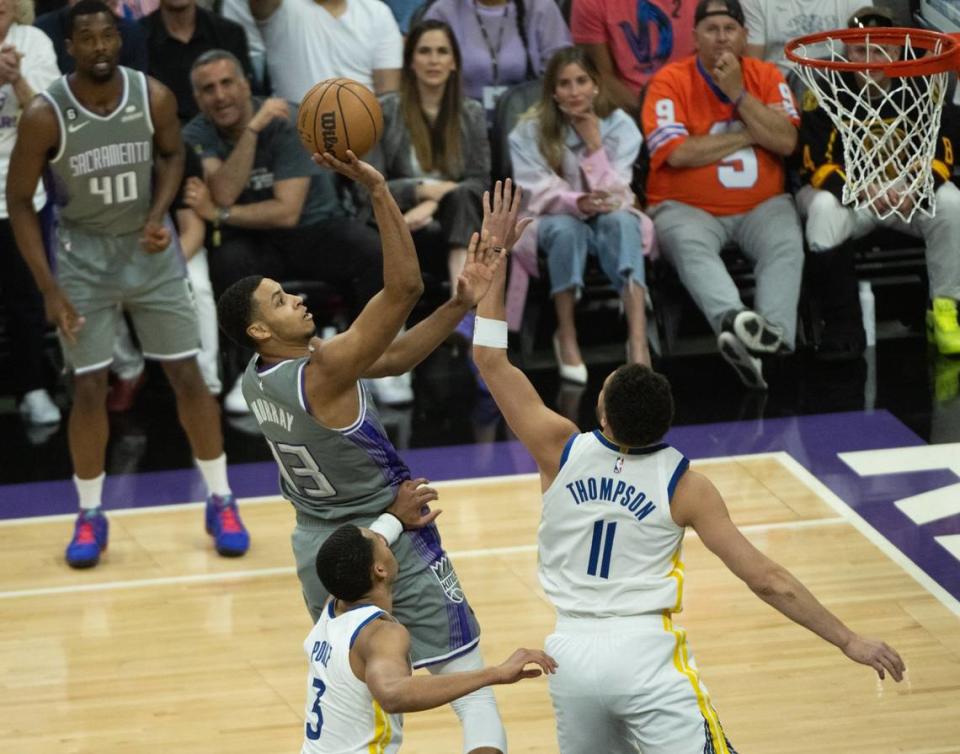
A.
x: 389, y: 526
x: 491, y: 333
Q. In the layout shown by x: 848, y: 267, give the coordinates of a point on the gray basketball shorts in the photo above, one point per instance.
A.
x: 106, y: 275
x: 427, y: 597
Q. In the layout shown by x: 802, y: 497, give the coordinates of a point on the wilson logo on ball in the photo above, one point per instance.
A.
x: 337, y: 115
x: 328, y: 128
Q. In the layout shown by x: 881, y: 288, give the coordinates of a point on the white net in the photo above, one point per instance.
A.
x: 889, y: 126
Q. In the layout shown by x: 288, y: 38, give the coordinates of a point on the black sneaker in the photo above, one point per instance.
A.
x: 748, y: 367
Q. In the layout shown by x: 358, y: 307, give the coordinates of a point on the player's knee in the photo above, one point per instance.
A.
x: 185, y: 378
x: 948, y: 202
x: 826, y: 224
x: 90, y: 390
x: 483, y: 729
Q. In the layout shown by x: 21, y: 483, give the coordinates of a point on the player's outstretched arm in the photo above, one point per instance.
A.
x: 542, y: 431
x: 697, y: 503
x: 383, y: 648
x: 413, y: 346
x: 346, y: 357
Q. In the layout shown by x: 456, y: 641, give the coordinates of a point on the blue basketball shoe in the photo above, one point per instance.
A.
x: 89, y: 539
x: 230, y: 536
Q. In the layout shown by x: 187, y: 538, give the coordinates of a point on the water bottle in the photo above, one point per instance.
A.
x: 868, y: 306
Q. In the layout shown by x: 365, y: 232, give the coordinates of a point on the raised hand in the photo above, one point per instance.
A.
x: 353, y: 168
x: 475, y: 278
x: 877, y: 654
x: 412, y: 504
x: 728, y: 75
x: 515, y: 667
x: 500, y: 213
x: 272, y: 108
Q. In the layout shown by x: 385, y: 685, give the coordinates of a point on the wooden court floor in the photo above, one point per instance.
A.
x: 167, y: 648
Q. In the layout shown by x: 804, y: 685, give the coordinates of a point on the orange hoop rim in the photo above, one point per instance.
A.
x: 932, y: 63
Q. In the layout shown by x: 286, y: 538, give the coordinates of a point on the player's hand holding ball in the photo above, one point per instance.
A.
x: 339, y: 121
x: 155, y: 238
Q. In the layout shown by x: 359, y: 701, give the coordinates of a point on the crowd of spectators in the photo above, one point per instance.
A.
x: 697, y: 90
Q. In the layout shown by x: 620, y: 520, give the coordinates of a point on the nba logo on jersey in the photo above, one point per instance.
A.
x: 618, y: 466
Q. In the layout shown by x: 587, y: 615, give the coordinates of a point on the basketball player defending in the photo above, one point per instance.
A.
x: 360, y: 679
x: 111, y: 139
x: 336, y: 462
x: 615, y: 504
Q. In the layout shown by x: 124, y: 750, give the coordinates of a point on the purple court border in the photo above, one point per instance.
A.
x: 813, y: 441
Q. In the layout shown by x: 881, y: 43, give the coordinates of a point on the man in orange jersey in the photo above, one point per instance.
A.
x: 718, y: 126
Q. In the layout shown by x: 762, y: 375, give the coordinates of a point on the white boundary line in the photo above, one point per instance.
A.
x: 845, y: 512
x: 873, y: 536
x: 469, y: 482
x: 255, y: 573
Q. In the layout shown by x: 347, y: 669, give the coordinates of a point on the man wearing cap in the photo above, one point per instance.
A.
x: 773, y: 23
x: 830, y: 225
x: 718, y: 126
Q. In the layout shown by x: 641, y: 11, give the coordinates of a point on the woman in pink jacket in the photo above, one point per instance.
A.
x: 573, y: 154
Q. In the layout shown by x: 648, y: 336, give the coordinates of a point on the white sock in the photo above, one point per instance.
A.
x: 215, y: 475
x: 89, y: 491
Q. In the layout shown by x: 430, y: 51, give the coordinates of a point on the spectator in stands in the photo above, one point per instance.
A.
x: 504, y: 42
x: 404, y: 11
x: 630, y: 40
x: 238, y: 11
x: 273, y: 211
x: 27, y: 66
x: 718, y: 126
x: 312, y: 40
x: 177, y: 34
x: 573, y: 155
x: 773, y: 23
x: 434, y: 152
x: 830, y: 225
x: 133, y: 47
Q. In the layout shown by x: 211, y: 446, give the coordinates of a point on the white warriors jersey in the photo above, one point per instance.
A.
x: 342, y: 717
x: 607, y: 543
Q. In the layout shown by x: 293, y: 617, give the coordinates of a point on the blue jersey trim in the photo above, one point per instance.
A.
x: 645, y: 450
x: 458, y: 652
x: 330, y: 610
x: 677, y: 473
x: 708, y: 80
x: 360, y: 628
x: 566, y: 448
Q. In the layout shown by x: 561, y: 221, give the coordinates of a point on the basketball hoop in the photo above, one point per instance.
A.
x: 889, y: 130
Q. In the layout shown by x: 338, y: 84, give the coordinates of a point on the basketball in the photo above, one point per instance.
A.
x: 337, y: 115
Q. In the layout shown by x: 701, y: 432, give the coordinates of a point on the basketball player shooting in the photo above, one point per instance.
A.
x: 337, y: 464
x: 616, y: 502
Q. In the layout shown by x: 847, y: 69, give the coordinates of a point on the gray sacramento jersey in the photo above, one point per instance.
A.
x: 332, y: 474
x: 103, y: 169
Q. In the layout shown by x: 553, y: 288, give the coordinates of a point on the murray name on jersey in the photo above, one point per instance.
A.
x: 614, y: 491
x: 267, y: 412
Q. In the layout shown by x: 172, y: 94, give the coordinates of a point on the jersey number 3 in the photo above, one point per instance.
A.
x: 313, y: 732
x: 300, y: 470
